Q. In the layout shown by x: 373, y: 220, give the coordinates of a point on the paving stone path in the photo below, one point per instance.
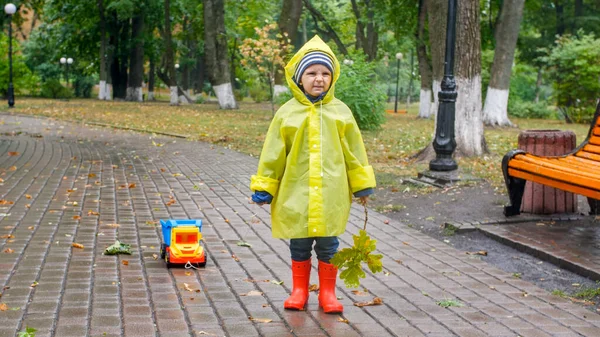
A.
x: 70, y: 183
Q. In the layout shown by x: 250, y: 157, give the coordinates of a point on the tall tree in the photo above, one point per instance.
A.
x: 470, y: 139
x: 289, y: 19
x: 436, y: 13
x: 167, y: 73
x: 424, y: 63
x: 328, y: 31
x: 104, y: 92
x: 367, y: 33
x: 136, y: 58
x: 507, y: 31
x: 216, y: 53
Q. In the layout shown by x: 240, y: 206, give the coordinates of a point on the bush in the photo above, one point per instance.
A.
x: 357, y: 88
x: 259, y: 92
x: 283, y: 97
x: 83, y: 86
x: 574, y: 66
x: 53, y: 89
x: 522, y: 109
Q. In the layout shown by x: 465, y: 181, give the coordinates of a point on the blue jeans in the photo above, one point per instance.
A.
x: 325, y: 248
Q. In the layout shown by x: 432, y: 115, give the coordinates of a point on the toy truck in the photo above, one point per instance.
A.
x: 181, y: 244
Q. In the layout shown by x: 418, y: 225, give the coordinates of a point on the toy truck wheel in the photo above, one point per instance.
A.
x: 163, y: 250
x: 167, y: 260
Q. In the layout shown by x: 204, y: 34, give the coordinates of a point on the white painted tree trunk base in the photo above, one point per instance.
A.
x: 224, y: 93
x: 279, y: 89
x: 151, y: 96
x: 495, y: 109
x: 183, y: 100
x: 470, y: 140
x: 424, y: 103
x: 134, y: 94
x: 102, y: 90
x: 174, y: 98
x: 437, y: 87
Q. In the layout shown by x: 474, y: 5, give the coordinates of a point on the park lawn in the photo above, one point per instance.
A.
x: 390, y: 149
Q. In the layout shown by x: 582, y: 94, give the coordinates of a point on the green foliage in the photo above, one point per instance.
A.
x: 356, y: 87
x: 54, y: 89
x: 83, y: 86
x: 258, y: 91
x: 521, y: 109
x: 588, y: 293
x: 349, y: 259
x: 29, y: 332
x: 118, y: 248
x: 574, y: 67
x: 283, y: 97
x: 23, y: 79
x: 449, y: 303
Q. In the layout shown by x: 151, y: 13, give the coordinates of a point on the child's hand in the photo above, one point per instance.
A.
x: 363, y: 200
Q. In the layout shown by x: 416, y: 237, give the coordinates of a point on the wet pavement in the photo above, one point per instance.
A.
x: 70, y: 183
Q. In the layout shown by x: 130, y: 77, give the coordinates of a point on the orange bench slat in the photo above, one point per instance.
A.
x: 595, y: 194
x: 534, y: 163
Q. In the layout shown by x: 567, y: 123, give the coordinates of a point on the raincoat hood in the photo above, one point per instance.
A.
x: 315, y: 44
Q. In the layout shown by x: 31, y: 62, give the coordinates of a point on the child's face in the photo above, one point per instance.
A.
x: 316, y: 79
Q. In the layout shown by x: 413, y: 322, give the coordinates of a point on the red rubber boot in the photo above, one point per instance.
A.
x: 301, y: 278
x: 327, y: 299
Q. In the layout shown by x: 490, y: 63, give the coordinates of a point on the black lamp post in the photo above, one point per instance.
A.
x: 10, y: 9
x: 399, y: 58
x: 444, y: 143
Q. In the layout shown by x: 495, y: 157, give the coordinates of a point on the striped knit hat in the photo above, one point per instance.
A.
x: 314, y: 57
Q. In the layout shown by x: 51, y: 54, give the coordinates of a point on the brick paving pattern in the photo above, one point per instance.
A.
x: 67, y: 183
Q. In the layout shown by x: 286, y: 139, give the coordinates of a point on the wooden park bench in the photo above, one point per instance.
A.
x: 577, y: 172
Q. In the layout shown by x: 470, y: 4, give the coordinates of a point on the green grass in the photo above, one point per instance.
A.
x: 587, y: 293
x: 559, y: 293
x: 390, y: 149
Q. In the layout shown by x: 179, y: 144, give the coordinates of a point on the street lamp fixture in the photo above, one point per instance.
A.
x: 66, y: 62
x: 176, y: 65
x: 444, y: 143
x: 399, y: 58
x: 10, y: 9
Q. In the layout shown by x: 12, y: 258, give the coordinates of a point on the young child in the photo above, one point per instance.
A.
x: 312, y: 161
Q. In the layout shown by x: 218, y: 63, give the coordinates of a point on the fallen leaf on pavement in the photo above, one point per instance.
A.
x: 260, y: 320
x: 3, y: 307
x: 125, y: 262
x: 7, y: 236
x: 132, y: 185
x: 244, y: 244
x: 12, y: 168
x: 481, y: 252
x: 113, y: 225
x: 235, y: 258
x: 375, y: 301
x: 90, y: 212
x: 6, y: 202
x: 155, y: 256
x: 277, y: 282
x: 27, y: 196
x: 405, y: 243
x: 343, y: 320
x: 9, y: 251
x: 187, y: 287
x: 313, y: 287
x: 76, y: 217
x: 360, y: 293
x: 77, y: 245
x: 386, y: 221
x: 34, y: 284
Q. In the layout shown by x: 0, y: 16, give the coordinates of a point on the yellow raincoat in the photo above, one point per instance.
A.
x: 312, y: 160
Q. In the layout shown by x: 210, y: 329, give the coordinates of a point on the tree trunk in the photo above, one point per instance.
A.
x: 410, y: 81
x: 507, y: 31
x: 151, y: 80
x: 424, y: 64
x: 469, y: 123
x: 329, y: 31
x: 199, y: 74
x: 136, y: 59
x: 215, y: 50
x: 538, y: 85
x: 289, y: 19
x: 437, y: 11
x: 560, y: 17
x: 366, y: 39
x: 103, y: 86
x: 119, y: 39
x: 168, y: 74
